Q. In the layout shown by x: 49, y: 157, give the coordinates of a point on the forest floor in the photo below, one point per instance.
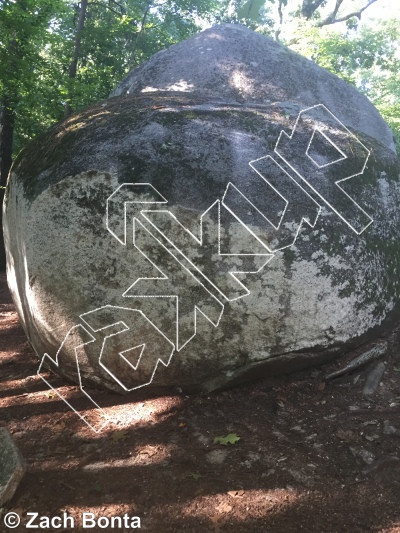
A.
x: 313, y: 455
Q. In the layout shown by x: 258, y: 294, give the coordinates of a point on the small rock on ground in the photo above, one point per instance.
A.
x: 12, y: 466
x: 373, y: 379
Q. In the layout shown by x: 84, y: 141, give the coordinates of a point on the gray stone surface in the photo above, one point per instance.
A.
x: 373, y: 379
x: 256, y: 69
x: 327, y: 291
x: 388, y: 429
x: 12, y: 467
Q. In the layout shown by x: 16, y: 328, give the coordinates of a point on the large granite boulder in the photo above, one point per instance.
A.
x: 232, y: 212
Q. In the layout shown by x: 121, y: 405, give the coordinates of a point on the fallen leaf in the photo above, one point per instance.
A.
x: 236, y: 493
x: 97, y: 487
x: 231, y: 438
x: 195, y: 475
x: 182, y: 425
x: 119, y: 435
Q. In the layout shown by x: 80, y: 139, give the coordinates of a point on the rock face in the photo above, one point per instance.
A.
x: 236, y: 64
x: 12, y: 467
x: 233, y: 213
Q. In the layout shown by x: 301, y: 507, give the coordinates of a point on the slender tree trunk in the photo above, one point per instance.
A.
x: 6, y: 148
x: 132, y: 60
x: 75, y: 56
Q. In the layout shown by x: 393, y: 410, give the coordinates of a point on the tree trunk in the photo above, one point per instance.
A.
x: 6, y: 148
x: 75, y: 56
x: 132, y: 60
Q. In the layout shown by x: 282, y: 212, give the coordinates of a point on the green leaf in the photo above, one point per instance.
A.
x: 231, y: 438
x: 250, y: 10
x: 119, y: 435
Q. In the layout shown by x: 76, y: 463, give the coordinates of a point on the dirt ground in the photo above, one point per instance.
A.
x: 313, y: 455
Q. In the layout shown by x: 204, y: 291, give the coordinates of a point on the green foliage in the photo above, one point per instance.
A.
x: 251, y: 10
x: 255, y: 14
x: 368, y: 58
x: 37, y: 39
x: 195, y: 475
x: 119, y: 435
x: 24, y: 35
x: 231, y: 438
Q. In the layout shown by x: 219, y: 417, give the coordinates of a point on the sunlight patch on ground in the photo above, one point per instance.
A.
x: 235, y: 503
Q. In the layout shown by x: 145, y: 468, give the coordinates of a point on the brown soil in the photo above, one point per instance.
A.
x: 313, y: 456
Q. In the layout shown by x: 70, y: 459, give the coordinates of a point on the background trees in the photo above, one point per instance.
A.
x: 23, y: 28
x: 57, y: 56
